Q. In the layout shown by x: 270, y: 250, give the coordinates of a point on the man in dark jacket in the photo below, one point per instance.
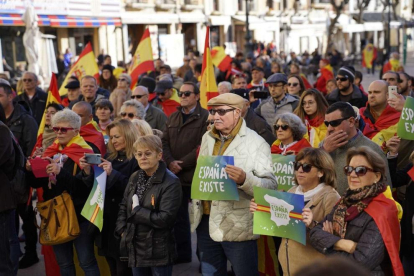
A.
x: 182, y: 137
x: 7, y: 200
x: 24, y: 129
x: 154, y: 116
x: 347, y: 91
x: 33, y: 96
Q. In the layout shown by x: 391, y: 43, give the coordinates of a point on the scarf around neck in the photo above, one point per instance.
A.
x: 311, y: 193
x: 352, y: 204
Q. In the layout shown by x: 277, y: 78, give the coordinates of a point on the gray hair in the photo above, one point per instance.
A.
x: 126, y: 76
x: 138, y: 106
x: 295, y: 124
x: 67, y: 116
x: 225, y: 83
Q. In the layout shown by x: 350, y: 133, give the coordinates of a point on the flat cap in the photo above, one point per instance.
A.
x: 277, y: 77
x: 228, y: 99
x: 4, y: 82
x: 257, y: 68
x: 163, y: 85
x: 73, y: 84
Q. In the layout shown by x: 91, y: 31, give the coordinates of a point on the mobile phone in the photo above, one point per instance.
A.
x: 391, y: 90
x: 93, y: 159
x: 260, y: 95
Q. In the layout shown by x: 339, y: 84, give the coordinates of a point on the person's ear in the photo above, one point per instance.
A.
x: 159, y: 156
x: 352, y: 121
x: 377, y: 177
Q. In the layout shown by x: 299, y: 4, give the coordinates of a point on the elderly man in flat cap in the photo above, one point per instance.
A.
x: 225, y: 228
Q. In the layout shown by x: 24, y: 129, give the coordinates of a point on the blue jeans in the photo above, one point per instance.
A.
x: 84, y: 245
x: 153, y: 271
x: 214, y: 255
x: 6, y: 266
x: 15, y: 251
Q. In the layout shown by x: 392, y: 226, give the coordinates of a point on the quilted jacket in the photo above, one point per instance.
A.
x: 231, y: 220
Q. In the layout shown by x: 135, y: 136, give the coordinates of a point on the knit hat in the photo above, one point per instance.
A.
x: 348, y: 71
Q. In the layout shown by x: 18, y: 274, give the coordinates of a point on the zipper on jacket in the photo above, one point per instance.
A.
x: 222, y: 140
x: 287, y: 257
x: 153, y: 201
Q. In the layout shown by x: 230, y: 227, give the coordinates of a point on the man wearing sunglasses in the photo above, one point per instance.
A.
x: 224, y: 228
x: 342, y: 135
x: 182, y: 137
x: 153, y: 115
x: 279, y: 101
x: 167, y: 100
x: 347, y: 91
x: 33, y: 96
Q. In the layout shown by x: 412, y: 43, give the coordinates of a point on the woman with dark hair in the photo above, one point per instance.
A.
x: 290, y: 132
x: 295, y: 86
x: 311, y: 110
x: 295, y: 70
x: 316, y: 180
x: 364, y: 224
x: 107, y: 79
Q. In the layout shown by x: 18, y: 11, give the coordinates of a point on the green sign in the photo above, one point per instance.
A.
x: 279, y: 214
x: 284, y: 171
x: 211, y: 182
x: 405, y: 128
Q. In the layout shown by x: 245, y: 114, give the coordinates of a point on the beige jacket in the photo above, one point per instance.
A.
x: 231, y: 220
x: 293, y: 255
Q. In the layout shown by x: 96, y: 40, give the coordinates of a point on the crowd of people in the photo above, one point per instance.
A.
x: 348, y: 164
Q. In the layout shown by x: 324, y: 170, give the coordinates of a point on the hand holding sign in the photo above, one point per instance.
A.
x: 237, y: 174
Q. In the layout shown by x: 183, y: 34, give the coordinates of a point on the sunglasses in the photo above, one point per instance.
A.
x: 284, y: 127
x: 359, y: 171
x: 161, y: 94
x: 305, y: 166
x: 341, y: 79
x: 27, y: 80
x: 130, y: 115
x: 335, y: 123
x: 185, y: 93
x: 220, y: 112
x: 62, y: 130
x: 122, y: 80
x: 293, y: 84
x: 137, y: 96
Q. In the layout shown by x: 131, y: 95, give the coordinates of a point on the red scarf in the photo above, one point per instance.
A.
x: 315, y: 122
x: 294, y: 149
x: 388, y: 117
x: 75, y: 149
x: 92, y: 134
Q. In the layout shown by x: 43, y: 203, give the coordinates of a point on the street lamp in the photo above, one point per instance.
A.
x: 248, y: 47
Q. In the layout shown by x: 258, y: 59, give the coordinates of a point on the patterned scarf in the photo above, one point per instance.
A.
x: 352, y: 204
x: 143, y: 183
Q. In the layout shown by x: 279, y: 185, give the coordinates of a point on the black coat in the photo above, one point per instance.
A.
x: 122, y: 169
x: 7, y: 199
x: 258, y: 124
x: 148, y: 237
x: 24, y: 128
x: 358, y: 99
x: 37, y: 104
x: 370, y: 251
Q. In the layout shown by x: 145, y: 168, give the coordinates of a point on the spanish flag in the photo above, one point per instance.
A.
x: 142, y: 60
x: 85, y: 65
x: 369, y: 54
x: 93, y: 134
x: 52, y: 97
x: 208, y: 85
x: 220, y: 59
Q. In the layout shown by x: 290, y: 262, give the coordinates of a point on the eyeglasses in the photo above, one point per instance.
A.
x: 284, y: 127
x: 305, y: 166
x: 122, y: 80
x: 130, y: 115
x: 62, y: 130
x: 273, y: 85
x: 137, y: 96
x: 335, y: 123
x: 293, y: 84
x: 220, y: 112
x: 161, y: 94
x: 359, y: 171
x: 27, y: 80
x: 307, y: 103
x: 185, y: 93
x: 140, y: 155
x: 342, y: 79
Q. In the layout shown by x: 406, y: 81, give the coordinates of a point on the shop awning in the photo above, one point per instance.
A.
x: 61, y: 21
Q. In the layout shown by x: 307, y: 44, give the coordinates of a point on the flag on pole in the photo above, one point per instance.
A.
x: 85, y: 65
x: 142, y: 60
x: 94, y: 206
x: 208, y: 85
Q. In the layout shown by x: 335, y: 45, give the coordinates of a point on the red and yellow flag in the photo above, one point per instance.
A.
x: 142, y: 60
x: 208, y: 85
x: 52, y: 97
x: 92, y: 133
x: 85, y: 65
x: 220, y: 59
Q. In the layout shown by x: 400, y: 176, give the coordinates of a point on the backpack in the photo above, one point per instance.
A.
x: 20, y: 188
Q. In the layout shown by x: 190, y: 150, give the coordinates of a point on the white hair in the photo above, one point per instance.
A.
x: 138, y: 106
x: 67, y: 116
x: 226, y: 84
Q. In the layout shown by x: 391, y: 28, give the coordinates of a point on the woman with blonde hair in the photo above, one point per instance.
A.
x: 121, y: 93
x: 142, y: 127
x: 119, y: 163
